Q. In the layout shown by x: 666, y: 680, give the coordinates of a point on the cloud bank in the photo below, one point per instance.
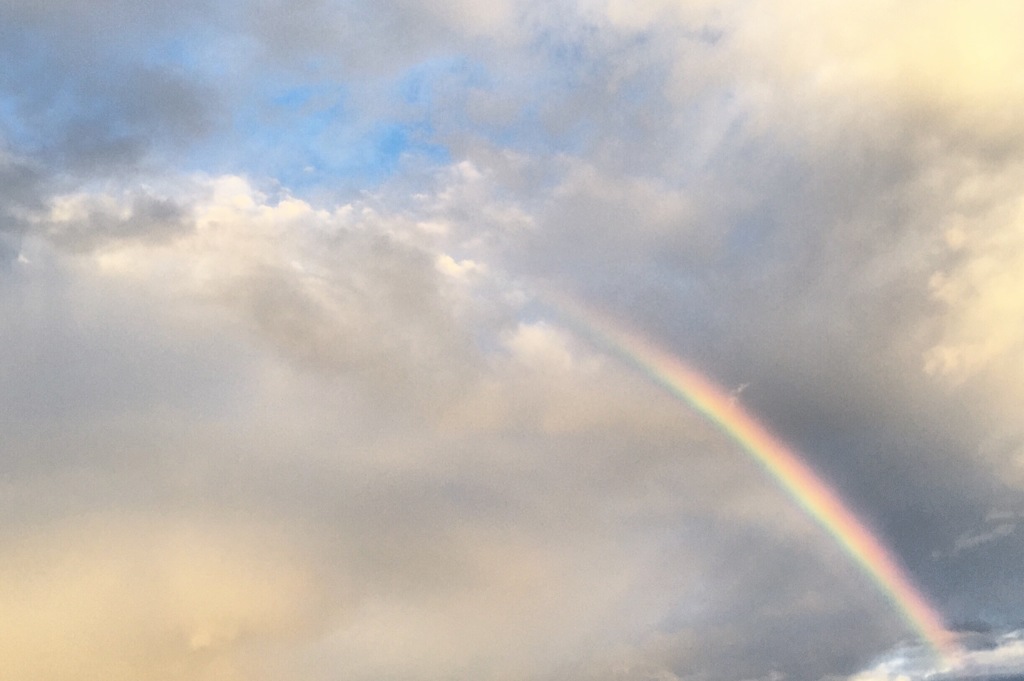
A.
x: 283, y: 395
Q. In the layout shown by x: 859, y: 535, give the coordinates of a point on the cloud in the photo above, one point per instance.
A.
x: 78, y: 97
x: 332, y: 436
x: 316, y: 285
x: 167, y: 599
x: 989, y: 656
x: 978, y: 287
x: 22, y: 196
x: 82, y: 221
x: 281, y: 396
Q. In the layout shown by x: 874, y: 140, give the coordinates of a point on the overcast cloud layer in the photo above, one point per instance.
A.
x: 282, y: 396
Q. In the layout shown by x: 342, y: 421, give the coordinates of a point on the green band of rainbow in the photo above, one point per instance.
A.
x: 789, y: 471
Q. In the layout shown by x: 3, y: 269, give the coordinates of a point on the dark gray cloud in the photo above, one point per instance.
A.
x: 83, y: 223
x: 22, y: 195
x: 95, y: 88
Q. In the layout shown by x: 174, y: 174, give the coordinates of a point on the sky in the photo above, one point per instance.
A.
x: 349, y: 340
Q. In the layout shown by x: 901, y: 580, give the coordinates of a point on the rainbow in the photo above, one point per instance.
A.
x: 794, y: 476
